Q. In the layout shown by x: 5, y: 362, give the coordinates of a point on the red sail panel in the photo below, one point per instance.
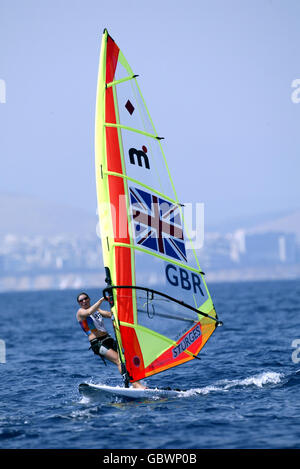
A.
x: 120, y: 223
x: 133, y: 355
x: 112, y: 54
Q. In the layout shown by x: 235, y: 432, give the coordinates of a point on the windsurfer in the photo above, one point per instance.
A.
x: 91, y: 320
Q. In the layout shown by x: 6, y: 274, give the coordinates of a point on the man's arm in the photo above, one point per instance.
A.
x: 105, y: 314
x: 84, y: 313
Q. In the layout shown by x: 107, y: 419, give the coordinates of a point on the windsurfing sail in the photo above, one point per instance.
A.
x: 143, y: 233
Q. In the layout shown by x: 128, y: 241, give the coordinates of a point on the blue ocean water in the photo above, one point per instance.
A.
x: 244, y: 393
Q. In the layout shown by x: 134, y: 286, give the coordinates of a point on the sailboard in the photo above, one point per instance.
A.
x: 99, y: 391
x: 163, y: 313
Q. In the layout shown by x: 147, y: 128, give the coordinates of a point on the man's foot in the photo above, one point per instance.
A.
x: 138, y: 385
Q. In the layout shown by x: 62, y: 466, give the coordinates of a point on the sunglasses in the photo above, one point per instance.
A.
x: 83, y: 299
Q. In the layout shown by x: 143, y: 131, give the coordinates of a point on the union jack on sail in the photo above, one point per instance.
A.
x: 157, y: 224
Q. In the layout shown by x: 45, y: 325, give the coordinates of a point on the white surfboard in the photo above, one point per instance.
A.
x: 102, y: 390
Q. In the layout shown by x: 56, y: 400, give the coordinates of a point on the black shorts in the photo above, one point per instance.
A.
x: 101, y: 345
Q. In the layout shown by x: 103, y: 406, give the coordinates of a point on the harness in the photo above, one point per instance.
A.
x: 100, y: 345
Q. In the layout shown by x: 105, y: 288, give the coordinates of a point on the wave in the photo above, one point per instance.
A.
x: 260, y: 380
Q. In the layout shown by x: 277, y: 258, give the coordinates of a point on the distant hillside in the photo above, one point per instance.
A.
x: 32, y: 216
x: 289, y: 223
x: 24, y: 215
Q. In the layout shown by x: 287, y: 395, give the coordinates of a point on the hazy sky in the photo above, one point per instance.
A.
x: 216, y: 75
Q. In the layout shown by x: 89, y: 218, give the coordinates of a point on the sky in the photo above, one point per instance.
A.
x: 219, y: 78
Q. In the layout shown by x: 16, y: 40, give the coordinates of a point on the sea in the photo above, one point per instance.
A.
x: 244, y: 393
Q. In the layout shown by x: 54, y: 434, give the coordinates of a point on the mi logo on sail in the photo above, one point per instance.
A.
x: 139, y: 156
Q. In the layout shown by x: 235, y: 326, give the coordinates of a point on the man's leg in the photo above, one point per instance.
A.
x: 113, y: 356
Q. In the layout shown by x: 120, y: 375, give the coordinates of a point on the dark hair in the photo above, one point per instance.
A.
x: 82, y: 293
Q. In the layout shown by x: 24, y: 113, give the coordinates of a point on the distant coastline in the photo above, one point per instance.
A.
x: 96, y: 279
x: 42, y: 248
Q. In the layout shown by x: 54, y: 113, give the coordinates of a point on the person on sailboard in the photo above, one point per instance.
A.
x: 90, y: 319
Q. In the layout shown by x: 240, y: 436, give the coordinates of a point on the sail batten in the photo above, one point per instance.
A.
x: 125, y: 176
x: 143, y: 231
x: 159, y: 256
x: 122, y: 80
x: 131, y: 129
